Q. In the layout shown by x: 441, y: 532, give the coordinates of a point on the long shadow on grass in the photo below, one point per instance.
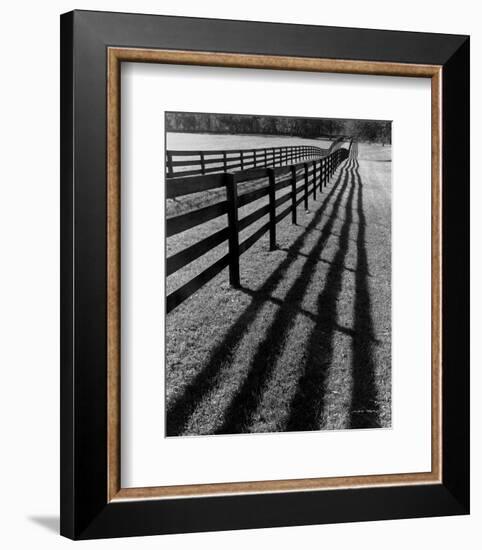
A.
x: 364, y: 410
x: 244, y: 403
x: 180, y: 410
x: 308, y: 402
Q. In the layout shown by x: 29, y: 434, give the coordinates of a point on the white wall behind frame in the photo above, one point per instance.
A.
x: 29, y: 298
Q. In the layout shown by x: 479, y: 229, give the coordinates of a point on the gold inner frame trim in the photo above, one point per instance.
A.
x: 115, y: 56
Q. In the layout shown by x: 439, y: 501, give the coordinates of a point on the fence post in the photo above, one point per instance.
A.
x: 254, y: 151
x: 314, y: 180
x: 293, y: 194
x: 224, y: 161
x: 321, y: 175
x: 272, y: 209
x: 169, y: 163
x: 242, y: 160
x: 265, y: 158
x: 306, y: 185
x: 233, y: 225
x: 203, y: 166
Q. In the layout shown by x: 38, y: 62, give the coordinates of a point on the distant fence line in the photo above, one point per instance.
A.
x: 315, y: 174
x: 194, y: 163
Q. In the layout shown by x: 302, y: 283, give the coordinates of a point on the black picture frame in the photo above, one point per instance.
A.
x: 85, y: 509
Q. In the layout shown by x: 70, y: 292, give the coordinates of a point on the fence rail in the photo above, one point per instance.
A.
x: 195, y: 163
x: 313, y: 175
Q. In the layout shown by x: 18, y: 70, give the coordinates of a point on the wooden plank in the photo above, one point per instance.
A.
x: 199, y: 172
x: 177, y: 187
x: 283, y: 170
x: 300, y: 200
x: 300, y: 189
x: 193, y: 252
x: 186, y: 221
x: 195, y: 162
x: 282, y: 184
x: 192, y: 153
x: 281, y: 200
x: 248, y: 243
x: 253, y: 217
x: 283, y: 214
x: 185, y: 173
x: 182, y: 293
x: 251, y: 174
x: 246, y: 198
x: 233, y: 167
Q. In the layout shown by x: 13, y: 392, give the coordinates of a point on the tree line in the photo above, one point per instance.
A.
x: 312, y: 128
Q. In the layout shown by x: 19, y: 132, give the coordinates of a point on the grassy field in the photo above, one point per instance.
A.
x: 305, y: 344
x: 205, y: 142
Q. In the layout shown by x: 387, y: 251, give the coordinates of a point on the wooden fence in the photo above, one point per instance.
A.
x: 194, y: 163
x: 314, y: 175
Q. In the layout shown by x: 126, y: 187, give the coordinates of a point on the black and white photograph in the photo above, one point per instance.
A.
x: 278, y: 274
x: 236, y: 299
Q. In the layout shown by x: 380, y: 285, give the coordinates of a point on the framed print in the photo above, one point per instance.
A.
x: 264, y: 290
